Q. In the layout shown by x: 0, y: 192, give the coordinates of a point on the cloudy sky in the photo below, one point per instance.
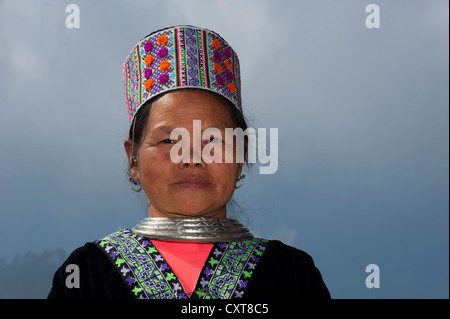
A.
x: 362, y: 117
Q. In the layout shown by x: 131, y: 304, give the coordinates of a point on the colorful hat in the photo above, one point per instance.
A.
x: 180, y: 57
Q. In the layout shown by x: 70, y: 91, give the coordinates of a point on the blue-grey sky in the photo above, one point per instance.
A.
x: 362, y: 117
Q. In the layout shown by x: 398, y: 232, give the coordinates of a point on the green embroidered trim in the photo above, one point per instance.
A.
x: 225, y: 275
x: 229, y: 269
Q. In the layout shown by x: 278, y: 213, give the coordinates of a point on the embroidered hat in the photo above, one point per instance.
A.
x: 180, y: 57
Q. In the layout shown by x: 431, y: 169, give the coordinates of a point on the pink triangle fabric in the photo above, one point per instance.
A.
x: 185, y: 258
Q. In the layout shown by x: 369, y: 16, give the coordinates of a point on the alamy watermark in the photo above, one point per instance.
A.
x: 373, y: 19
x: 220, y: 147
x: 73, y: 19
x: 373, y: 279
x: 73, y: 279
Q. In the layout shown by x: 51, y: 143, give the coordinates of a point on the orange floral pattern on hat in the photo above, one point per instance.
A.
x: 231, y: 87
x: 164, y: 65
x: 227, y: 64
x: 218, y: 68
x: 148, y: 84
x: 162, y: 39
x: 216, y: 44
x: 148, y: 60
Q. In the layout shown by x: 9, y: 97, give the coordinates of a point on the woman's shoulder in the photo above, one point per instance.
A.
x: 87, y: 273
x: 287, y: 272
x: 277, y: 249
x: 90, y: 250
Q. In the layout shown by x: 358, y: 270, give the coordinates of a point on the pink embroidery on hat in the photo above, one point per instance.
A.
x: 148, y: 46
x: 220, y: 80
x: 148, y: 73
x: 227, y: 52
x: 163, y: 78
x: 163, y: 52
x: 229, y: 76
x: 217, y: 56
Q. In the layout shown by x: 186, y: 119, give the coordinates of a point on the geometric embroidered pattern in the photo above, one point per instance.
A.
x: 180, y: 57
x: 226, y: 273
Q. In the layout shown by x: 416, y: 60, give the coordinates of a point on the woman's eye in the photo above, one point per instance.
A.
x: 215, y: 139
x: 167, y: 141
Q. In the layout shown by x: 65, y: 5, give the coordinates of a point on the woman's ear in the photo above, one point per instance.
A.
x: 132, y: 160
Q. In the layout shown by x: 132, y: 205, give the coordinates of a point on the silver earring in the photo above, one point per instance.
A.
x: 241, y: 180
x: 134, y: 183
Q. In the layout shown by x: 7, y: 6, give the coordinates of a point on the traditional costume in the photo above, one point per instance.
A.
x: 181, y: 258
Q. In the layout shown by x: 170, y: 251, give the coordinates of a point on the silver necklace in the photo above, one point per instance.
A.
x: 193, y: 229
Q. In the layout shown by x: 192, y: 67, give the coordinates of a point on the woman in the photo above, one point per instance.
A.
x: 180, y: 81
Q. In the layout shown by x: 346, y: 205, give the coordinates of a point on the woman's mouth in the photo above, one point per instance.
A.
x: 193, y: 182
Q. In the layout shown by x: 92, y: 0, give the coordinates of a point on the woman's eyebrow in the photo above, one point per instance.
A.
x: 218, y: 126
x: 163, y: 129
x: 168, y: 129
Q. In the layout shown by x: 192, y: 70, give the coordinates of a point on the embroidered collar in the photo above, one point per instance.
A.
x: 226, y: 273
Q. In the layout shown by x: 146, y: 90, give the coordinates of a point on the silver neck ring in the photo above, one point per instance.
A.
x: 199, y: 229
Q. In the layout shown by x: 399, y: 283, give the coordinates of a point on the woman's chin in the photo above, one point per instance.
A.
x: 195, y: 211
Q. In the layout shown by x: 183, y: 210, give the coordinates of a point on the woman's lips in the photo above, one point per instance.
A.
x: 193, y: 182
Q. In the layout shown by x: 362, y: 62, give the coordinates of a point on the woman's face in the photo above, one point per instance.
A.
x: 184, y: 189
